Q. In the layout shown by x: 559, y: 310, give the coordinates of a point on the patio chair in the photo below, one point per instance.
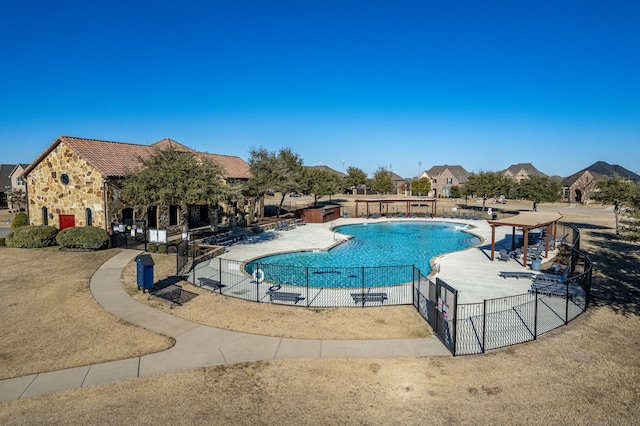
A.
x: 503, y: 255
x: 286, y: 225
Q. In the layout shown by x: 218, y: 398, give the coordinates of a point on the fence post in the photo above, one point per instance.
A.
x: 566, y: 303
x: 220, y: 272
x: 413, y: 289
x: 455, y: 322
x: 484, y: 324
x: 363, y: 270
x: 535, y: 318
x: 588, y: 292
x: 307, y: 280
x: 193, y: 268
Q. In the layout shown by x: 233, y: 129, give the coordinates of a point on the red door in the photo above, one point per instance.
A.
x: 67, y: 221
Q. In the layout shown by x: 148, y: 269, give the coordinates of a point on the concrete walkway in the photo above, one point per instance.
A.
x: 196, y: 345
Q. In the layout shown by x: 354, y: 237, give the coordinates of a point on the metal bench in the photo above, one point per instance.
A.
x: 283, y: 295
x: 516, y: 275
x: 369, y: 297
x: 214, y: 284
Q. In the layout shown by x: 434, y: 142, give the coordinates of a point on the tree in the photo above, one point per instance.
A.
x: 17, y: 197
x: 263, y: 166
x: 421, y: 186
x: 623, y: 194
x: 539, y: 189
x: 170, y: 177
x: 487, y: 185
x: 317, y: 182
x: 382, y: 181
x: 456, y: 192
x: 281, y: 172
x: 355, y: 177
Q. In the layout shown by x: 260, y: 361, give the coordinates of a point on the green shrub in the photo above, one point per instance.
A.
x: 162, y: 248
x: 152, y: 248
x: 32, y: 236
x: 2, y: 243
x: 83, y: 237
x: 19, y: 221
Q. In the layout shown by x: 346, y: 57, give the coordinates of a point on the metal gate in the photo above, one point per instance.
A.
x: 437, y: 304
x: 132, y: 234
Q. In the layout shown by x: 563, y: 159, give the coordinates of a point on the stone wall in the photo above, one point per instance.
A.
x: 47, y: 187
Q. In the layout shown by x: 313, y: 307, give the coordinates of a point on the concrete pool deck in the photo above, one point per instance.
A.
x: 470, y: 271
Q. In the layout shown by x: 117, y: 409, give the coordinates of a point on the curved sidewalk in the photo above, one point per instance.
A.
x: 196, y: 345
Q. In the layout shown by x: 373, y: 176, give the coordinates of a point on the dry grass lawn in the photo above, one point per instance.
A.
x: 585, y: 373
x: 49, y: 319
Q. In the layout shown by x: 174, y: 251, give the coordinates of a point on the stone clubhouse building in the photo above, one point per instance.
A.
x: 76, y: 181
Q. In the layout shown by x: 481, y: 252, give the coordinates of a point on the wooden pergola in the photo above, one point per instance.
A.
x: 527, y: 221
x: 407, y: 201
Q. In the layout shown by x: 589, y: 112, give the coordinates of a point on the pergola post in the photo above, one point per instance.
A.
x: 493, y: 242
x: 525, y: 247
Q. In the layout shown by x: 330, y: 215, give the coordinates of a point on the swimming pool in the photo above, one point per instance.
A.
x: 378, y: 254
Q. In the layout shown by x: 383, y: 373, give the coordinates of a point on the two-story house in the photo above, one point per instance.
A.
x: 443, y: 178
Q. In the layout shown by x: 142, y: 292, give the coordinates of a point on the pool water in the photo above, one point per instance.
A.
x: 389, y: 250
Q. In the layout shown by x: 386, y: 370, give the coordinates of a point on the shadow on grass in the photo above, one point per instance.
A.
x: 168, y: 289
x: 616, y: 278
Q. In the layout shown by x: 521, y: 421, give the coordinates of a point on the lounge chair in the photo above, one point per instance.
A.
x: 282, y: 226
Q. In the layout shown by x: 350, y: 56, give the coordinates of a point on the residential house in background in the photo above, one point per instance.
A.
x: 443, y: 178
x: 330, y: 170
x: 522, y: 171
x: 76, y: 181
x: 400, y: 186
x: 5, y: 182
x: 576, y: 188
x: 18, y: 184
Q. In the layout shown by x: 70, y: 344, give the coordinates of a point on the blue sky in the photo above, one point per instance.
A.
x: 368, y: 83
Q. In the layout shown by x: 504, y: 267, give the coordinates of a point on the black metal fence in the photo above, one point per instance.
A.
x: 468, y: 328
x: 506, y: 321
x: 132, y: 234
x: 182, y: 256
x: 308, y: 286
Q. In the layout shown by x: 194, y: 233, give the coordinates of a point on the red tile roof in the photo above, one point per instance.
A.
x: 235, y: 167
x: 115, y: 159
x: 170, y: 143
